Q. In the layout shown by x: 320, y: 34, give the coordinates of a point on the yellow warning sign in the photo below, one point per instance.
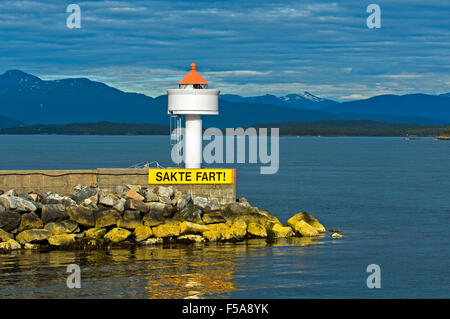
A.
x: 191, y: 176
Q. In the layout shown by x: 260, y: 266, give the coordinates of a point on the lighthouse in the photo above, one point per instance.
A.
x: 193, y: 99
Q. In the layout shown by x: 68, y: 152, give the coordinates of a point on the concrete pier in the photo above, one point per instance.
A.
x: 62, y: 182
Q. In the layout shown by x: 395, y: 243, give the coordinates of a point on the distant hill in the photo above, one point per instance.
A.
x: 99, y: 128
x: 305, y: 101
x: 354, y: 128
x: 9, y: 122
x: 411, y: 105
x: 29, y: 99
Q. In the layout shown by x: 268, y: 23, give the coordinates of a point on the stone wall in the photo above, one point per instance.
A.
x: 63, y: 181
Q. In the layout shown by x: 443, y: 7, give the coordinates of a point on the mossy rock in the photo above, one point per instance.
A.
x: 308, y: 218
x: 302, y: 228
x: 256, y: 230
x: 5, y: 236
x: 117, y: 235
x: 167, y: 230
x: 192, y: 228
x: 32, y: 235
x: 62, y: 240
x: 142, y: 232
x: 236, y: 231
x: 280, y: 231
x: 94, y: 233
x: 189, y: 239
x: 65, y: 227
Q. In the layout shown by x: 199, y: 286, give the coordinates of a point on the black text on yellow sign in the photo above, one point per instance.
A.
x: 191, y: 176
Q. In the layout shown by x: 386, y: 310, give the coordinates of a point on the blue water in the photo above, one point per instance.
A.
x: 389, y: 196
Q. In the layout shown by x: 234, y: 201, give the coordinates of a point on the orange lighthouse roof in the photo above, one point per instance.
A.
x: 193, y: 77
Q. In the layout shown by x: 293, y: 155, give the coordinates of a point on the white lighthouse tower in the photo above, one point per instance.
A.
x: 193, y: 99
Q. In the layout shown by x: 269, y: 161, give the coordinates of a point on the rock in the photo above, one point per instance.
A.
x: 280, y: 231
x: 308, y: 218
x: 11, y: 192
x: 337, y: 235
x: 216, y: 232
x: 167, y: 230
x: 256, y: 230
x: 117, y: 235
x: 164, y: 209
x: 82, y: 215
x: 303, y: 228
x: 153, y: 218
x: 30, y: 221
x: 52, y: 198
x: 9, y: 220
x: 32, y: 235
x: 2, y: 209
x: 236, y: 231
x: 190, y: 213
x: 17, y: 203
x: 80, y: 193
x: 152, y: 241
x: 183, y: 201
x: 106, y: 218
x: 233, y: 209
x: 164, y: 191
x: 151, y: 197
x: 30, y: 246
x: 107, y: 201
x: 64, y: 227
x: 166, y: 200
x: 120, y: 206
x: 5, y: 236
x: 132, y: 204
x: 188, y: 239
x: 200, y: 201
x: 134, y: 195
x: 130, y: 220
x: 53, y: 213
x: 62, y: 240
x: 142, y: 232
x: 95, y: 233
x: 192, y: 228
x: 10, y: 244
x: 34, y: 197
x: 213, y: 217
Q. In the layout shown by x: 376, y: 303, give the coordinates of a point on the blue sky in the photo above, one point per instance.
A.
x: 242, y: 47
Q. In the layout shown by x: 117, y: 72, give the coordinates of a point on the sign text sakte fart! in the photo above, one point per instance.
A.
x: 191, y: 176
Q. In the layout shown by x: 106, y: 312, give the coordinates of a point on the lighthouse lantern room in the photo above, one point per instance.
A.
x: 193, y: 99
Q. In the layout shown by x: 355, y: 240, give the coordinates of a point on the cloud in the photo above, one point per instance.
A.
x: 245, y: 47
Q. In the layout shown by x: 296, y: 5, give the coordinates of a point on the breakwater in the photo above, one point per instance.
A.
x: 91, y: 218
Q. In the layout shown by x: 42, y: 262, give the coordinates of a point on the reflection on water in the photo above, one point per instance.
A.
x: 172, y: 271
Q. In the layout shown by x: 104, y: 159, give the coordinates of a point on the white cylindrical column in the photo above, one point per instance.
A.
x: 193, y: 141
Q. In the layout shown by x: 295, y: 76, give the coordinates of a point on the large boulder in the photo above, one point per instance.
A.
x: 65, y: 227
x: 120, y: 205
x: 106, y: 218
x: 256, y: 230
x: 17, y: 203
x: 132, y: 194
x: 216, y: 232
x: 167, y: 230
x: 53, y: 213
x: 10, y: 244
x: 308, y: 218
x: 189, y: 239
x: 95, y: 233
x: 279, y: 231
x: 153, y: 218
x: 2, y: 209
x: 213, y: 217
x: 233, y: 209
x: 82, y: 215
x: 130, y: 220
x: 183, y: 201
x: 192, y: 228
x: 190, y: 213
x: 81, y: 193
x: 302, y: 228
x: 108, y: 200
x: 30, y: 221
x: 236, y: 231
x: 32, y: 235
x: 62, y: 240
x: 142, y: 232
x: 133, y: 204
x: 9, y: 220
x: 5, y: 236
x: 164, y: 191
x: 51, y: 198
x: 117, y: 235
x: 158, y: 207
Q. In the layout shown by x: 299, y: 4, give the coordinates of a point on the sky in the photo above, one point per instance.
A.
x: 241, y: 47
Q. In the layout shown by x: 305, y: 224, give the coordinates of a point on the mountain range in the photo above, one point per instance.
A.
x: 26, y: 100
